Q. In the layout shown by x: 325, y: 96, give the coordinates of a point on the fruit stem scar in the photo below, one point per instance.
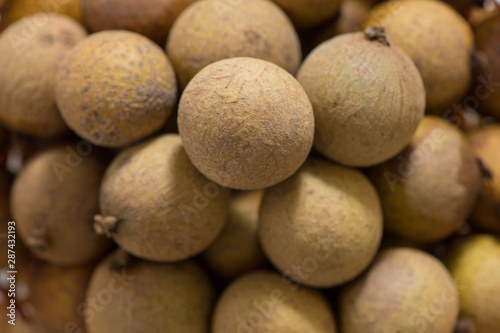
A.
x: 105, y: 225
x: 38, y: 239
x: 377, y: 33
x: 485, y: 172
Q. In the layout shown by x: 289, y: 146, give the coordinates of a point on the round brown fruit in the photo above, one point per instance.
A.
x: 57, y: 295
x: 404, y: 290
x: 367, y: 95
x: 474, y: 263
x: 148, y: 297
x: 437, y: 39
x: 246, y: 123
x: 212, y: 30
x: 263, y: 301
x: 306, y: 14
x: 32, y: 50
x: 429, y: 189
x: 322, y: 226
x: 237, y: 249
x: 157, y: 206
x: 115, y: 88
x: 486, y: 144
x: 151, y: 18
x: 53, y: 201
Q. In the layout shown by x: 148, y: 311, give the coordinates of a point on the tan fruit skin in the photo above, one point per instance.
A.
x: 29, y: 69
x: 302, y: 310
x: 148, y: 187
x: 486, y: 144
x: 59, y: 207
x: 429, y: 189
x: 309, y: 13
x: 437, y: 39
x: 115, y: 88
x: 150, y: 297
x: 237, y: 249
x: 405, y: 290
x: 212, y: 30
x: 17, y: 9
x: 474, y: 263
x: 246, y: 123
x: 325, y: 214
x: 56, y: 293
x: 151, y: 18
x: 365, y: 110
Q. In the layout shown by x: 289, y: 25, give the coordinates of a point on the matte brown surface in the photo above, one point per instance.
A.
x: 322, y: 226
x: 30, y: 61
x: 429, y: 189
x: 166, y: 209
x: 246, y: 123
x: 404, y: 290
x: 115, y: 88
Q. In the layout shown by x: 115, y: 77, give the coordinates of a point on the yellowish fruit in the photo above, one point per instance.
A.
x: 474, y: 263
x: 17, y: 9
x: 429, y: 189
x: 246, y: 123
x: 486, y: 144
x: 115, y: 88
x: 437, y: 39
x: 404, y: 290
x: 262, y: 302
x: 322, y: 226
x: 57, y: 295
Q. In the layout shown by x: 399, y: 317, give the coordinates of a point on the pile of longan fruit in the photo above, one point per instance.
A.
x: 250, y: 166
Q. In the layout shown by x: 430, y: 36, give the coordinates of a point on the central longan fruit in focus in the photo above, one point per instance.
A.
x: 246, y: 123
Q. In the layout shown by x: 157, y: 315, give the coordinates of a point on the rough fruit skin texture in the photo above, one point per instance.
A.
x: 29, y: 70
x: 368, y: 99
x: 55, y: 294
x: 487, y: 37
x: 246, y: 123
x: 310, y: 12
x: 53, y: 201
x: 282, y: 308
x: 152, y: 297
x: 326, y: 219
x: 474, y: 263
x: 429, y: 189
x: 115, y: 88
x: 237, y: 249
x: 437, y: 39
x: 166, y: 209
x: 404, y: 290
x: 486, y: 144
x: 212, y: 30
x: 151, y: 18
